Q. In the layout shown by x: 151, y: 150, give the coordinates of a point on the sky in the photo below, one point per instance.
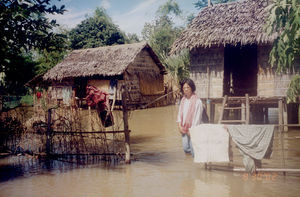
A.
x: 129, y: 15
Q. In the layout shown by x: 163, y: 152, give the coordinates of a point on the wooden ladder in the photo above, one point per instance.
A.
x: 245, y: 111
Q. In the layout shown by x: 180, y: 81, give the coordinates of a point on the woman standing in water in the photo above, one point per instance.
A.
x: 190, y: 112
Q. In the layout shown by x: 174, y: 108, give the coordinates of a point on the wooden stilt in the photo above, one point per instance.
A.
x: 89, y: 119
x: 285, y: 117
x: 212, y: 113
x: 126, y: 130
x: 208, y: 109
x: 280, y: 113
x: 266, y: 114
x: 247, y: 109
x: 243, y: 112
x: 222, y: 109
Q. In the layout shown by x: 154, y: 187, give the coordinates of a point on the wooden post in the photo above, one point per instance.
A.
x: 48, y: 140
x: 243, y: 112
x: 126, y: 130
x: 208, y: 109
x: 285, y: 117
x: 222, y: 109
x: 208, y: 83
x: 89, y: 127
x: 212, y: 113
x: 280, y: 120
x: 209, y: 3
x: 280, y: 114
x: 247, y: 109
x: 266, y: 114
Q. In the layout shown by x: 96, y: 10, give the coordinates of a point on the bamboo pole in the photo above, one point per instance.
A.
x: 126, y: 130
x: 247, y: 109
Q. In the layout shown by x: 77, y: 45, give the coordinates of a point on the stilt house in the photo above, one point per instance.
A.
x: 109, y: 68
x: 229, y: 52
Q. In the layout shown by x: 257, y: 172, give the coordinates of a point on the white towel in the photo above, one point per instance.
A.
x: 210, y: 143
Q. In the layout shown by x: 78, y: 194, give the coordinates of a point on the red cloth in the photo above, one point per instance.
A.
x: 190, y: 115
x: 95, y: 96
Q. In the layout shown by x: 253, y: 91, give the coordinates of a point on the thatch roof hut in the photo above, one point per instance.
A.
x: 135, y: 65
x: 101, y: 61
x: 229, y: 54
x: 241, y: 22
x: 229, y: 51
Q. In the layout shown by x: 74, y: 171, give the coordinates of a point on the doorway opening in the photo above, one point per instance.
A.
x: 240, y: 70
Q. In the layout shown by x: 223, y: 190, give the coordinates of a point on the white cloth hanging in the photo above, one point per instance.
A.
x: 210, y: 143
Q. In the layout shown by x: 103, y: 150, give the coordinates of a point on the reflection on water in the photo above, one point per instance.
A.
x: 160, y: 169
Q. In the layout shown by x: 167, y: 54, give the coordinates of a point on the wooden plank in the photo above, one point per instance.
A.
x: 288, y: 125
x: 233, y: 121
x: 268, y: 170
x: 222, y: 109
x: 234, y: 108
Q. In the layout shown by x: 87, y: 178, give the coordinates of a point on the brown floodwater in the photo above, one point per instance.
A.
x: 160, y: 168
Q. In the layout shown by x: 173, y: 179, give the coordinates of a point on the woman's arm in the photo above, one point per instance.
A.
x: 198, y: 113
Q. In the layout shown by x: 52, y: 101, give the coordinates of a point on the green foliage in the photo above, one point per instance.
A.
x: 178, y: 65
x: 284, y: 17
x: 203, y: 3
x: 190, y: 18
x: 23, y: 24
x: 168, y: 8
x: 294, y: 89
x: 46, y: 59
x: 27, y: 100
x: 19, y: 71
x: 162, y: 33
x: 96, y: 31
x: 132, y: 38
x: 23, y: 27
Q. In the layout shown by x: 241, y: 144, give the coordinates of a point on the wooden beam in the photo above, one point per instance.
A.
x: 222, y: 109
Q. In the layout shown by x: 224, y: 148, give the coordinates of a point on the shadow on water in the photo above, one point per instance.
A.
x: 13, y: 167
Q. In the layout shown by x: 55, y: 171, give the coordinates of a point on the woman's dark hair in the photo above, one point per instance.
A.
x: 189, y: 82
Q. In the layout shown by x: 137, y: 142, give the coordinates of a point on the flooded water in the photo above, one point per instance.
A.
x: 160, y: 168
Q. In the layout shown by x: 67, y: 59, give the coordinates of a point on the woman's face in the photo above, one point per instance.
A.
x: 187, y: 90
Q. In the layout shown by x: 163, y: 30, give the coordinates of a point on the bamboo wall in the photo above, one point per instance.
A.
x: 208, y: 85
x: 269, y: 82
x: 144, y: 79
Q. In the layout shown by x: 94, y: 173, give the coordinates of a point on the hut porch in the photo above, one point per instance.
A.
x: 258, y: 110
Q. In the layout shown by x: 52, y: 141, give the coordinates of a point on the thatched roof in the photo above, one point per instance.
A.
x: 229, y: 23
x: 101, y: 61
